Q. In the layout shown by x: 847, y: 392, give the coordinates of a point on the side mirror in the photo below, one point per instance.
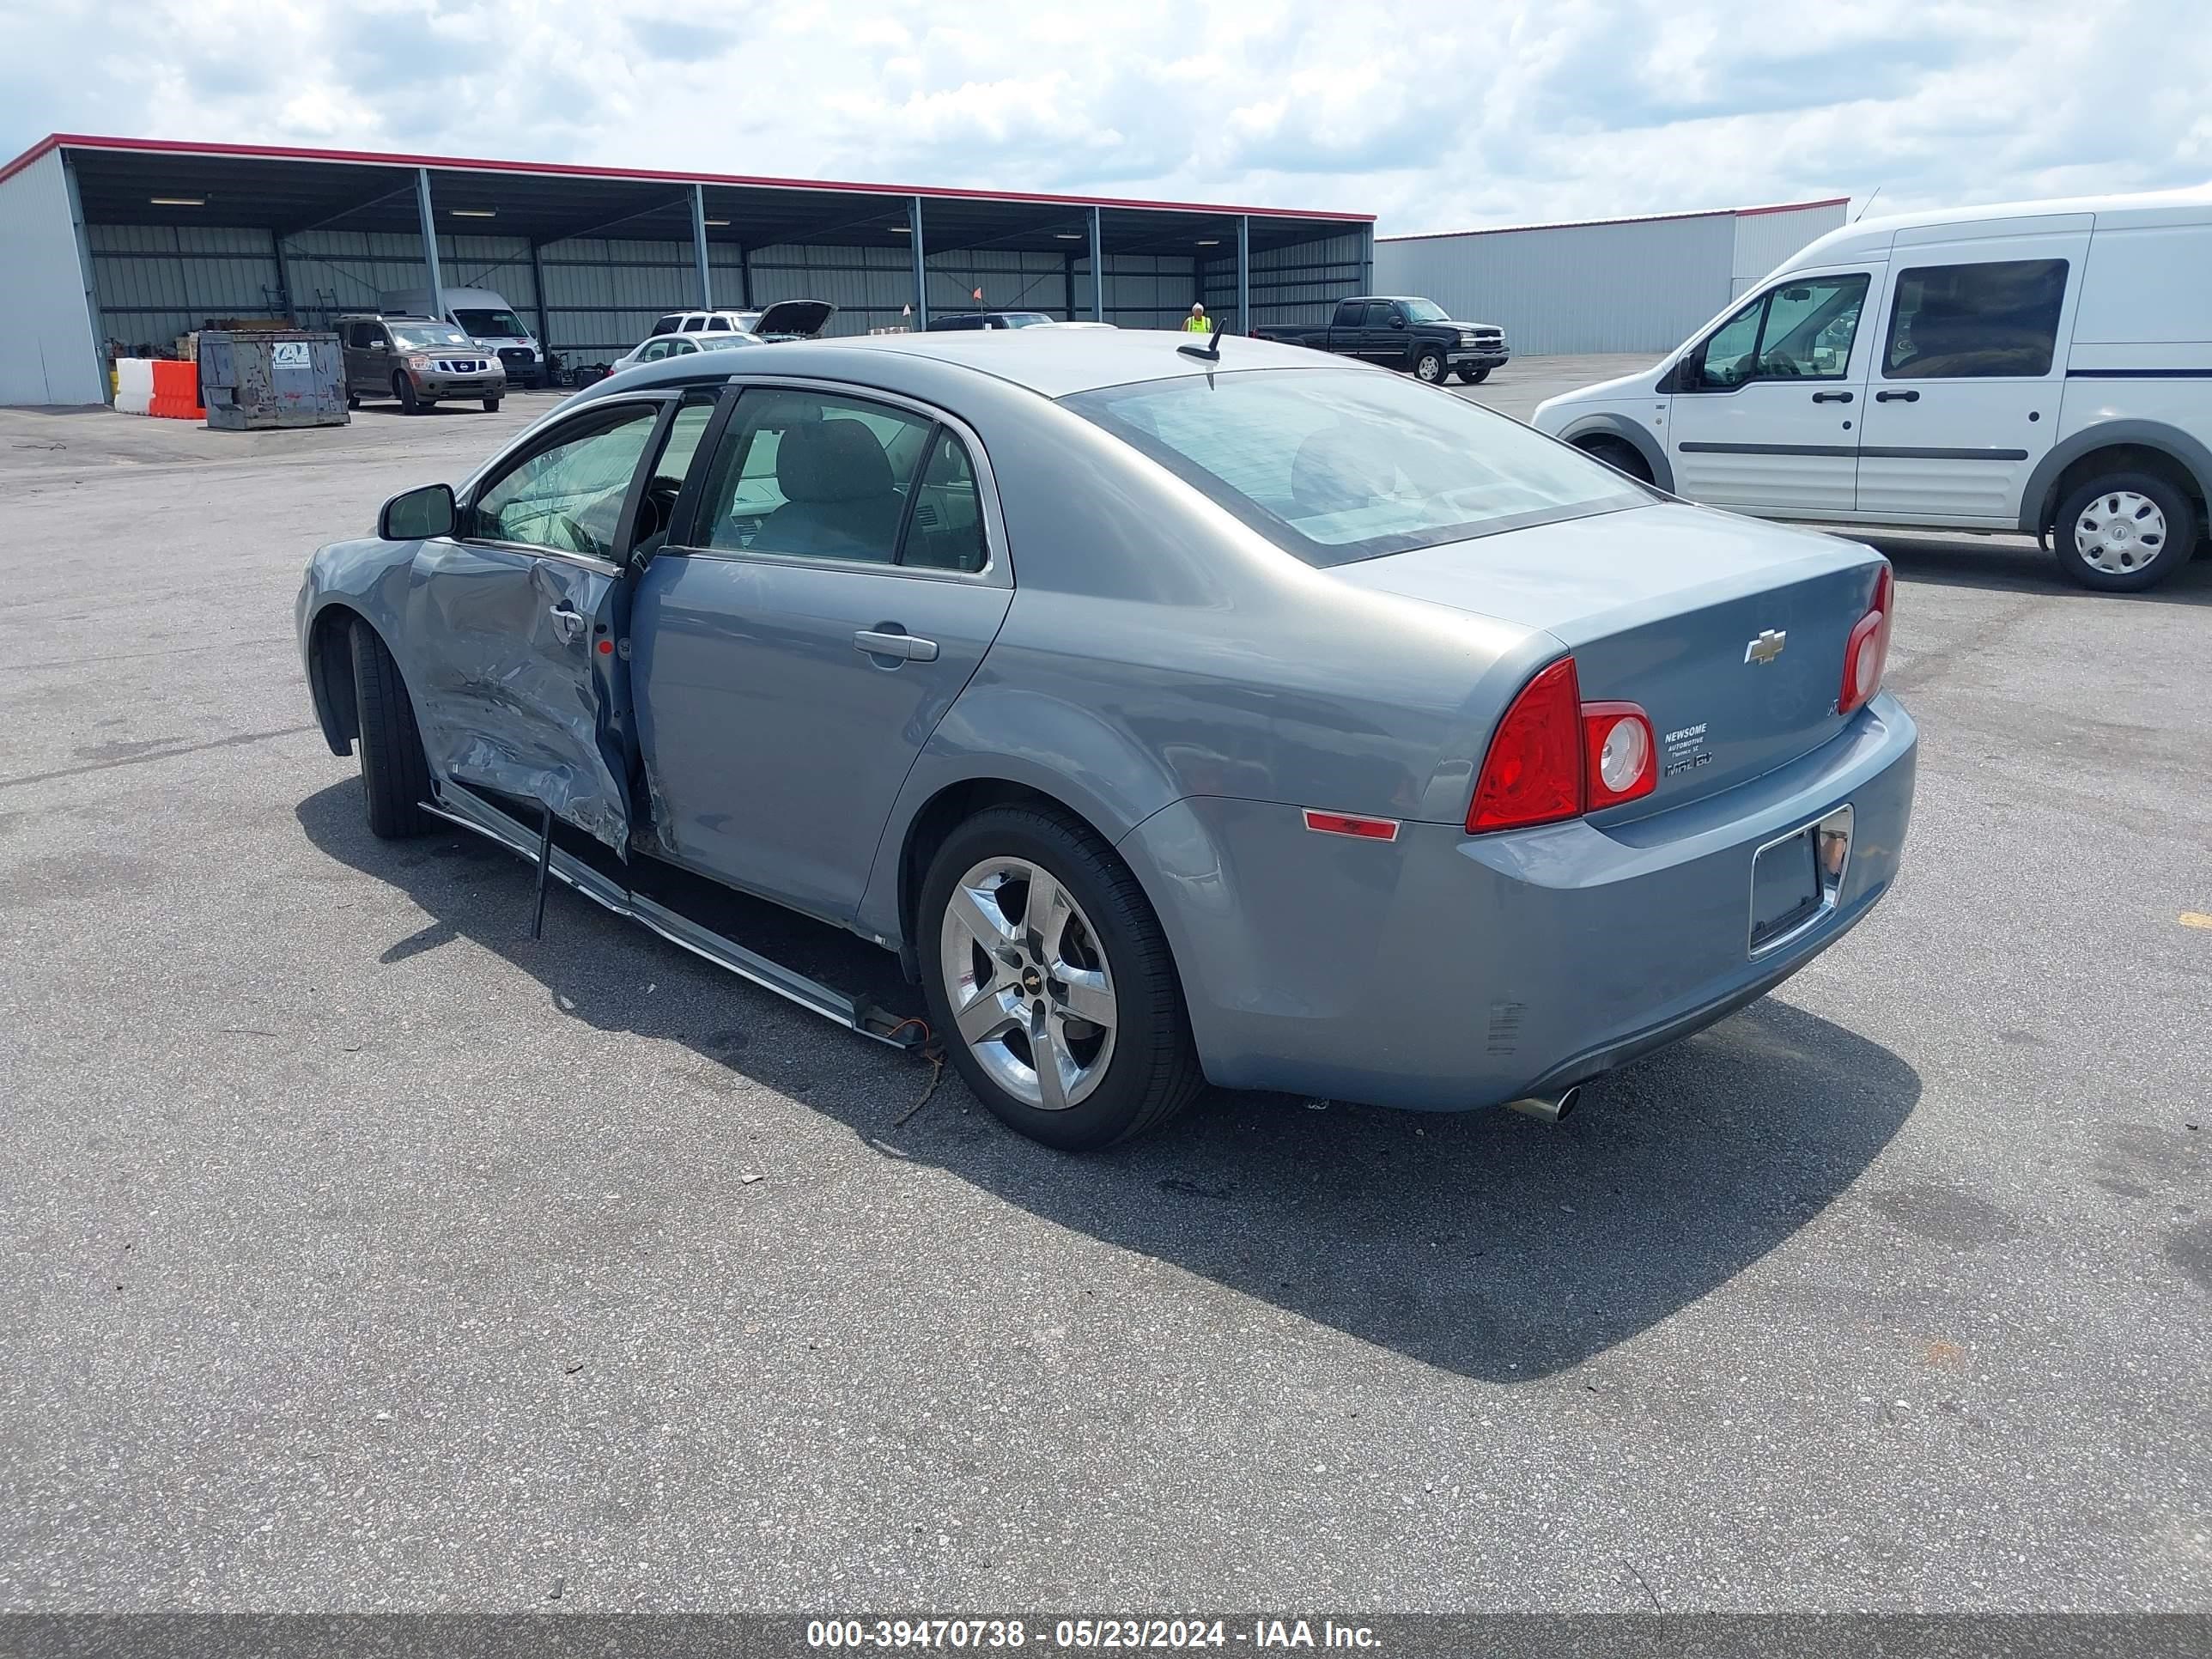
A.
x: 418, y: 514
x: 378, y: 344
x: 1397, y: 322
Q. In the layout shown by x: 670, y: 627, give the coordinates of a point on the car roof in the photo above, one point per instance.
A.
x: 1053, y: 363
x: 1869, y: 235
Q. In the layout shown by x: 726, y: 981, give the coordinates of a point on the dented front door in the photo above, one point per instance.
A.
x: 517, y: 620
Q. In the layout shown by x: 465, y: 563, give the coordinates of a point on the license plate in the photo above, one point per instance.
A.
x: 1785, y: 888
x: 1797, y: 878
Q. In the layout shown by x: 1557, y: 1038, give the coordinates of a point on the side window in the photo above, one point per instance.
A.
x: 1728, y: 356
x: 681, y: 347
x: 693, y: 323
x: 1802, y: 331
x: 814, y: 476
x: 1809, y: 328
x: 1350, y: 314
x: 654, y: 351
x: 667, y: 325
x: 946, y: 530
x: 1952, y: 322
x: 567, y: 496
x: 657, y: 507
x: 721, y: 323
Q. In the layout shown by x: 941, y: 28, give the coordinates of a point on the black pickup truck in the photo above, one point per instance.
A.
x: 1402, y: 332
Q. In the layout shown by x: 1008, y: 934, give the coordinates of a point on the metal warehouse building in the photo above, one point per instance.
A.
x: 120, y: 242
x: 1604, y: 285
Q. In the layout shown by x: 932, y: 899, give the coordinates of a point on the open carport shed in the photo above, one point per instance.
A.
x: 132, y: 242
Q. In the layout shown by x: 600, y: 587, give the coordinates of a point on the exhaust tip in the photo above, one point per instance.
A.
x: 1548, y: 1108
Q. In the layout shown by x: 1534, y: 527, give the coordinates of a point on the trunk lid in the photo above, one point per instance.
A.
x: 1728, y: 632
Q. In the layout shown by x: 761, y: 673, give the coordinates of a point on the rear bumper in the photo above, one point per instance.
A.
x: 1444, y: 972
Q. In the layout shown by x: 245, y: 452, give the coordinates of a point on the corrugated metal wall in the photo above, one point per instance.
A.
x: 603, y: 294
x: 1632, y: 286
x: 1764, y: 241
x: 47, y: 354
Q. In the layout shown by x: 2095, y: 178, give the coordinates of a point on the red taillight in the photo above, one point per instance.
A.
x: 1621, y: 755
x: 1868, y: 649
x: 1555, y: 756
x: 1533, y: 772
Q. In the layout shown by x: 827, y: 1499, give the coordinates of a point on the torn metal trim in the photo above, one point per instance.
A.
x: 865, y: 1018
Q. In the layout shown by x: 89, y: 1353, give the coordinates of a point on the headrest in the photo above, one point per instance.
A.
x: 832, y: 461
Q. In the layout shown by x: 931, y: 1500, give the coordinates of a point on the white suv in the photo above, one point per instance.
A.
x: 2042, y: 368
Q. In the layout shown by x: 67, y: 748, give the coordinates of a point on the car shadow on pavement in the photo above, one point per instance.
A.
x: 2017, y: 566
x: 1485, y: 1243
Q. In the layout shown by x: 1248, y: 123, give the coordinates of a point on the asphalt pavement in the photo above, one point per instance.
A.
x: 357, y: 1252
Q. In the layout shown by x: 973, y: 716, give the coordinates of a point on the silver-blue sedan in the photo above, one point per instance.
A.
x: 1254, y: 718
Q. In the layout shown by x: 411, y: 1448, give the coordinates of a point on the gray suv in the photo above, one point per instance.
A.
x: 416, y: 360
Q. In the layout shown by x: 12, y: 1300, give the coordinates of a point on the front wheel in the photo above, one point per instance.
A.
x: 1473, y: 375
x: 1429, y: 366
x: 1619, y: 454
x: 395, y: 776
x: 1050, y: 983
x: 491, y: 405
x: 403, y: 389
x: 2124, y: 532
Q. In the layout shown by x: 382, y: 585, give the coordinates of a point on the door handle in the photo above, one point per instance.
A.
x: 1897, y: 397
x: 887, y: 643
x: 1832, y: 396
x: 568, y: 623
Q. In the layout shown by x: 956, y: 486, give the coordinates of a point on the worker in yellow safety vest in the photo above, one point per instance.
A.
x: 1196, y: 322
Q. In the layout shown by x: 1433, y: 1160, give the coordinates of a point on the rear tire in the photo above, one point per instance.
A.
x: 1429, y: 366
x: 1114, y: 1078
x: 1619, y: 454
x: 403, y: 389
x: 2124, y: 532
x: 395, y: 776
x: 353, y: 399
x: 1473, y: 375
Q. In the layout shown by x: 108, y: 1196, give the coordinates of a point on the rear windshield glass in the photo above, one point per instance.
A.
x: 1337, y: 465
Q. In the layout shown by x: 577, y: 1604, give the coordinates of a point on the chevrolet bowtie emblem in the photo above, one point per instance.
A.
x: 1767, y: 646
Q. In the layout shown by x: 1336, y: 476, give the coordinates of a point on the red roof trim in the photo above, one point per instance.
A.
x: 1633, y: 219
x: 641, y: 175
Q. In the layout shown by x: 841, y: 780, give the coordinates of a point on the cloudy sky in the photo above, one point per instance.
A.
x: 1434, y: 116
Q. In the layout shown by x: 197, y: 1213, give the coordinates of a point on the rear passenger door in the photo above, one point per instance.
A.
x: 837, y: 571
x: 1967, y: 386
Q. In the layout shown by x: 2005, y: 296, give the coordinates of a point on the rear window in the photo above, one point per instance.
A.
x: 1337, y: 465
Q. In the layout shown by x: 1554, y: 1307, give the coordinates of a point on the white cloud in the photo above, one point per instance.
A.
x: 1434, y: 116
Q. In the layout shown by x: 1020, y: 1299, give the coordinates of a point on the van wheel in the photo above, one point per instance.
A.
x: 1429, y: 366
x: 1619, y: 454
x: 403, y: 389
x: 1049, y: 983
x: 2124, y: 532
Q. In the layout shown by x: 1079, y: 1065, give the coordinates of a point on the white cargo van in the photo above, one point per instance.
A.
x: 486, y: 318
x: 2042, y: 368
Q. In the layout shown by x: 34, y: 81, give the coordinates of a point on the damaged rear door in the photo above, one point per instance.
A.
x: 518, y: 619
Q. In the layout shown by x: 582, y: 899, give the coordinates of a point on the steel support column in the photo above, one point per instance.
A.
x: 1097, y: 274
x: 921, y: 265
x: 745, y: 276
x: 1068, y: 272
x: 699, y: 247
x: 430, y: 242
x: 84, y: 272
x: 538, y: 283
x: 1244, y: 273
x: 1367, y: 258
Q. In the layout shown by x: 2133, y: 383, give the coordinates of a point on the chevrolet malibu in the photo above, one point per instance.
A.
x: 1177, y: 713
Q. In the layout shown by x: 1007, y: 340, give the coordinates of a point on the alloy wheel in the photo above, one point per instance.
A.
x: 1030, y: 989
